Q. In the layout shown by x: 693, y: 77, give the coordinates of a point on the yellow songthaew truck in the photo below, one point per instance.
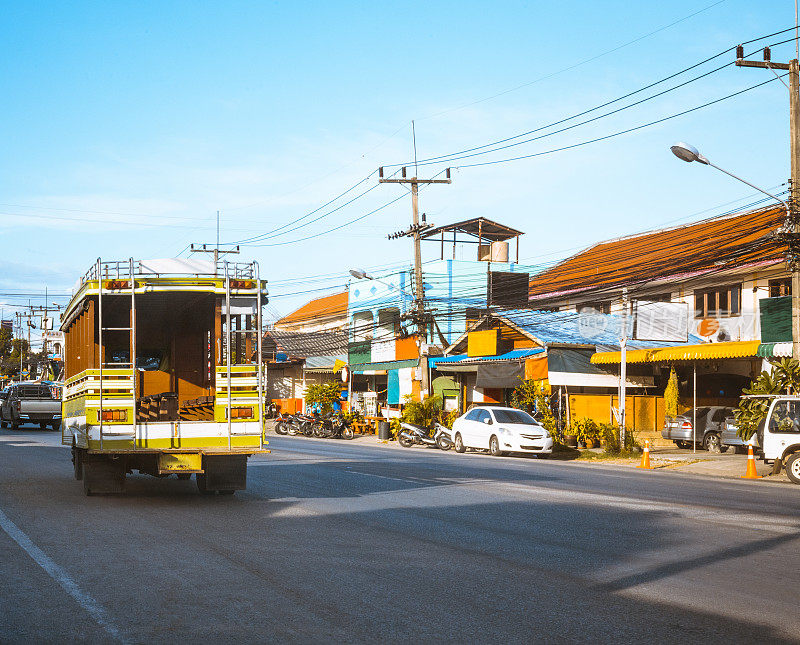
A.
x: 163, y: 372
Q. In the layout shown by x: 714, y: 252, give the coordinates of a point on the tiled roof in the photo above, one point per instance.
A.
x: 303, y: 345
x: 739, y: 240
x: 330, y: 306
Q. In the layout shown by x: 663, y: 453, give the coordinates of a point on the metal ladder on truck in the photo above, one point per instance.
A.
x: 131, y: 330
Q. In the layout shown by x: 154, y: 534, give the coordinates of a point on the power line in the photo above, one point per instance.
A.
x: 615, y: 134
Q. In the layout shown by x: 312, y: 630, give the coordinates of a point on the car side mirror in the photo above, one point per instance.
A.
x: 487, y: 421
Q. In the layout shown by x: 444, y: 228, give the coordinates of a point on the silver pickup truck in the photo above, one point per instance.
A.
x: 36, y: 403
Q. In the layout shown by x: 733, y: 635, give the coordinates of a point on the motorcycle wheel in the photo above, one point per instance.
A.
x: 406, y: 443
x: 307, y: 430
x: 444, y: 444
x: 318, y: 430
x: 347, y: 433
x: 281, y: 429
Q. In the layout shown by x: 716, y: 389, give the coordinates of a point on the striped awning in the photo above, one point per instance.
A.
x: 611, y: 358
x: 775, y: 350
x: 706, y: 351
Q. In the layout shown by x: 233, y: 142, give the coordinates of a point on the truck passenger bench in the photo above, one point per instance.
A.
x: 157, y: 407
x: 199, y: 409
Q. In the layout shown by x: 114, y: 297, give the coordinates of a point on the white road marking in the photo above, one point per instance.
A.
x: 58, y: 574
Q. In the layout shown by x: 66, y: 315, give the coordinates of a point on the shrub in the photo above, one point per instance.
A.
x: 610, y: 435
x: 585, y: 430
x: 671, y: 395
x: 324, y: 394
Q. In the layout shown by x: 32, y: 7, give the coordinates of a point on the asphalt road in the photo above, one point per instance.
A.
x: 342, y: 541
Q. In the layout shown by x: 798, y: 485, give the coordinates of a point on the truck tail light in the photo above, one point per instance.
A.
x: 241, y: 413
x: 115, y: 415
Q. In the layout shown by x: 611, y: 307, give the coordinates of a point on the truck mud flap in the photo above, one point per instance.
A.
x: 223, y: 473
x: 102, y: 474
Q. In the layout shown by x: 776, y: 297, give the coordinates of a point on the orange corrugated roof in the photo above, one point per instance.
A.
x: 325, y: 306
x: 723, y: 242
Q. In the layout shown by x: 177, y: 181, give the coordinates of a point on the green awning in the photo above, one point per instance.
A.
x: 383, y: 366
x: 775, y: 350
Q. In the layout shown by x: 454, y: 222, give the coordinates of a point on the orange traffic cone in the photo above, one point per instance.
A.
x: 751, y: 473
x: 646, y: 457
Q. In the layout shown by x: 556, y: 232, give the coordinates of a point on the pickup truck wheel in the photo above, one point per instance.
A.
x: 793, y: 468
x: 14, y: 426
x: 712, y: 442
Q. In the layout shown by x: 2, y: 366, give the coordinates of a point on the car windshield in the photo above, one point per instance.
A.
x: 513, y: 416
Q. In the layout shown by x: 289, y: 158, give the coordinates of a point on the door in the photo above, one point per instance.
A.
x: 481, y: 430
x: 466, y: 426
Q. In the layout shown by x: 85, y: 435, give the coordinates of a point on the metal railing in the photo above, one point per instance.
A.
x: 120, y: 270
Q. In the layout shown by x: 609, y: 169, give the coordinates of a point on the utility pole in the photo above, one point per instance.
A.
x: 216, y: 250
x: 623, y: 367
x: 414, y: 231
x: 790, y: 231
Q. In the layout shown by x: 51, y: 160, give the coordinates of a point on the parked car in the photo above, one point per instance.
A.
x: 500, y: 430
x: 37, y: 403
x: 708, y: 434
x: 731, y: 439
x: 3, y: 397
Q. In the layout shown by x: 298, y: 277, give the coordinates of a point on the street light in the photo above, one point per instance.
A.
x: 688, y: 153
x: 360, y: 274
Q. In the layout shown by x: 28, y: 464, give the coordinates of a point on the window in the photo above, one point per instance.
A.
x: 785, y: 417
x: 483, y: 415
x: 721, y: 414
x: 658, y: 297
x: 722, y: 301
x: 599, y: 307
x: 513, y: 416
x: 472, y: 415
x: 780, y: 287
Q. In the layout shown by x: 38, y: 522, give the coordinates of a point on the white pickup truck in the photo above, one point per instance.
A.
x: 36, y: 403
x: 779, y: 437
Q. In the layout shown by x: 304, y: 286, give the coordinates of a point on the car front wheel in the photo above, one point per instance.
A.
x: 494, y: 447
x: 459, y: 444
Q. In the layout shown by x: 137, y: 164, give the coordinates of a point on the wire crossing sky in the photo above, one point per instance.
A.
x: 128, y: 125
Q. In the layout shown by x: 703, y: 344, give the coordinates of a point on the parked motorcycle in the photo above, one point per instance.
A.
x: 333, y: 426
x: 294, y: 424
x: 341, y: 427
x: 411, y: 435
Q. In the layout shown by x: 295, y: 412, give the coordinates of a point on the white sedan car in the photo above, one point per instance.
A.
x: 501, y: 430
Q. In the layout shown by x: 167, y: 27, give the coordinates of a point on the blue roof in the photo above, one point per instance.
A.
x: 553, y: 327
x: 514, y: 354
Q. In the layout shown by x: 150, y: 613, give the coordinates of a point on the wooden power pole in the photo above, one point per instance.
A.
x: 216, y: 251
x: 415, y: 231
x: 790, y: 231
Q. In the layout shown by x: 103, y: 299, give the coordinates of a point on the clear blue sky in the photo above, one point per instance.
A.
x: 127, y: 125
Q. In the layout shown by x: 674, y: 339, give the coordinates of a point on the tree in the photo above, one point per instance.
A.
x: 783, y: 379
x: 10, y: 363
x: 5, y: 343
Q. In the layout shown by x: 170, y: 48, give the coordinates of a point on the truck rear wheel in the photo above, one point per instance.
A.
x: 792, y: 467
